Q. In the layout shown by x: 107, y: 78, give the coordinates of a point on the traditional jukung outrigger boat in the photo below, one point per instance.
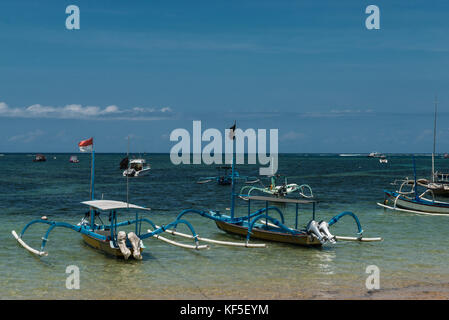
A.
x: 412, y: 201
x: 438, y: 183
x: 107, y: 237
x: 261, y: 225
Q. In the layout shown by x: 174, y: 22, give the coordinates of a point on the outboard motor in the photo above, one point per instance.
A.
x: 323, y: 226
x: 135, y: 242
x: 313, y: 228
x: 121, y: 241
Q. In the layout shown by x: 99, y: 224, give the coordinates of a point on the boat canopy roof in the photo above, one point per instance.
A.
x: 111, y: 205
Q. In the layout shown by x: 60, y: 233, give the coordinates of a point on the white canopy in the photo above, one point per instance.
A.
x: 111, y: 205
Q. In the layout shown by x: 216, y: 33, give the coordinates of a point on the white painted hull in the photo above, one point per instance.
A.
x: 143, y: 172
x: 422, y: 207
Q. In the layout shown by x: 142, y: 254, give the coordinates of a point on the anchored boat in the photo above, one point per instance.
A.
x: 280, y: 190
x: 39, y: 158
x: 412, y: 201
x: 74, y: 159
x: 267, y: 223
x: 439, y: 183
x: 107, y: 237
x: 137, y: 168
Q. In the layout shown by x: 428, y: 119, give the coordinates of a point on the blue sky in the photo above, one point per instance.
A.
x: 143, y: 68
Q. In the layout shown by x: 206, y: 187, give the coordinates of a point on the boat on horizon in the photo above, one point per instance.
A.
x: 349, y: 154
x: 74, y: 159
x: 39, y: 158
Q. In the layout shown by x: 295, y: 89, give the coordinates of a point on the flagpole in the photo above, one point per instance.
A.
x: 92, y: 185
x: 233, y: 172
x: 92, y: 174
x: 127, y: 179
x: 434, y: 138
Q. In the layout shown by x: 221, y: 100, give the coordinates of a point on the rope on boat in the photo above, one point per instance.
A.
x: 37, y: 252
x: 224, y: 243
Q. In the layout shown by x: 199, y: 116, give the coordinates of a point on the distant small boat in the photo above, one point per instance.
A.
x: 374, y: 155
x: 383, y: 159
x: 137, y: 168
x: 349, y: 154
x: 39, y: 158
x: 446, y: 156
x: 74, y: 159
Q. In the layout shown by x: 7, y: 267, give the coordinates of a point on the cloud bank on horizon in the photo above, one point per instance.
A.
x: 77, y: 111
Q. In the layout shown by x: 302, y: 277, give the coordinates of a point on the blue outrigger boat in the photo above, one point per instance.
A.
x: 412, y: 201
x: 107, y: 237
x: 225, y: 179
x: 260, y: 224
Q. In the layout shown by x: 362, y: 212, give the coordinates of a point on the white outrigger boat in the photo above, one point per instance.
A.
x: 439, y: 182
x: 413, y: 202
x: 137, y: 168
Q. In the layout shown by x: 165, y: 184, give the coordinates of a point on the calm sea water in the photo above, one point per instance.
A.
x: 412, y: 258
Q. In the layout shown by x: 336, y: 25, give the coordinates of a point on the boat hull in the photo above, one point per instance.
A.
x: 104, y: 246
x: 140, y: 173
x: 301, y: 240
x: 422, y: 205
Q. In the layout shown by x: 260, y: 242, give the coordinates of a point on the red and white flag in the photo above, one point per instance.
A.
x: 86, y: 145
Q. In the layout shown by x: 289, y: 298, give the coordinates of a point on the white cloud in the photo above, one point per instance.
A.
x: 26, y: 137
x: 77, y: 111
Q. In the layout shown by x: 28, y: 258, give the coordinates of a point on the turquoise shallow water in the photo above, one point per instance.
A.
x: 412, y: 258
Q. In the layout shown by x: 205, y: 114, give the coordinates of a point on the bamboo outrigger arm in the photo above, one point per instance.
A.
x: 53, y: 225
x: 359, y: 227
x: 218, y: 217
x: 157, y: 230
x: 85, y: 230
